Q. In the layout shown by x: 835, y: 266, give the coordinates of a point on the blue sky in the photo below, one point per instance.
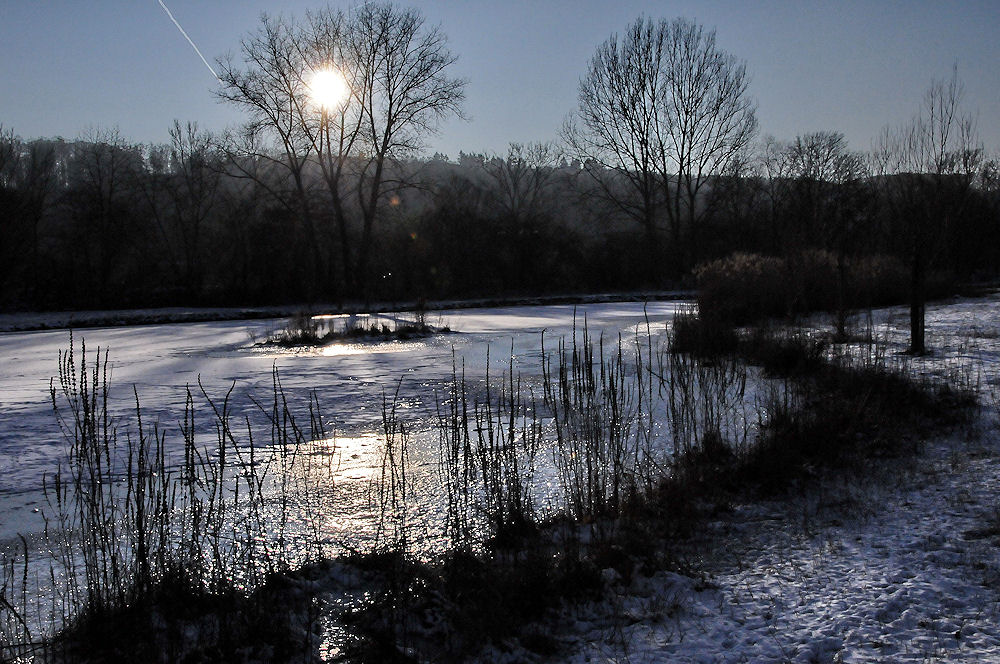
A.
x: 66, y: 67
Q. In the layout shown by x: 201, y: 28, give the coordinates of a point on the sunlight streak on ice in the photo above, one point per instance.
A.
x: 337, y: 350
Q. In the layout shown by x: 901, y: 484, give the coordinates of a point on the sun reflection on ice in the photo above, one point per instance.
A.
x: 340, y: 350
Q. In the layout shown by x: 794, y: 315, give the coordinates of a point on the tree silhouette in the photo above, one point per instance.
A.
x: 396, y: 68
x: 926, y: 169
x: 665, y: 109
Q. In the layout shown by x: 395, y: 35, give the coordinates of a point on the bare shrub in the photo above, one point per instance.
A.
x: 693, y: 334
x: 592, y: 409
x: 741, y: 288
x: 133, y: 530
x: 488, y: 460
x: 745, y: 288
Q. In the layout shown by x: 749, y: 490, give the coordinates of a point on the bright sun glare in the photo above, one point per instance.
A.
x: 328, y: 88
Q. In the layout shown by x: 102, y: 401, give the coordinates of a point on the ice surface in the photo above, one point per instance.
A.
x: 891, y: 568
x: 160, y: 361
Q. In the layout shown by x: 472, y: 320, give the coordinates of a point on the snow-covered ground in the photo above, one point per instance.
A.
x: 899, y: 565
x: 902, y: 565
x: 900, y: 576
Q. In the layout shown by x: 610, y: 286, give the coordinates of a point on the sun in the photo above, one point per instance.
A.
x: 328, y: 88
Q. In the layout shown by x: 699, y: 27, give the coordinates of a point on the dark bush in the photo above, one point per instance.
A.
x: 783, y: 355
x: 845, y: 416
x: 745, y: 288
x: 741, y: 288
x: 877, y: 280
x: 693, y: 334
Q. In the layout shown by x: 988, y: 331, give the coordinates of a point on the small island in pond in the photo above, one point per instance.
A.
x: 321, y: 330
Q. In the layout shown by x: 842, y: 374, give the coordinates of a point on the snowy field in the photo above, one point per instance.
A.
x: 899, y: 566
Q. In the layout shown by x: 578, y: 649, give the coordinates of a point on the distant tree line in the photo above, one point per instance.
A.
x: 659, y: 170
x: 100, y: 222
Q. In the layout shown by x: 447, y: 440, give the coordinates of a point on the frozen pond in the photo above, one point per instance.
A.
x: 349, y: 381
x: 160, y: 361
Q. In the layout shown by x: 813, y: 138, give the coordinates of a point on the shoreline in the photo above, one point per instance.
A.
x: 33, y: 321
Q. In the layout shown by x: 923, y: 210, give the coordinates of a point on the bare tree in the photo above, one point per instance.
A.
x: 616, y: 126
x: 666, y: 109
x: 774, y: 168
x: 926, y: 168
x: 708, y: 120
x: 11, y: 149
x: 520, y: 182
x: 100, y: 198
x: 989, y: 183
x: 830, y: 201
x: 739, y: 204
x: 817, y: 163
x: 521, y: 178
x: 9, y: 155
x: 395, y: 68
x: 270, y: 87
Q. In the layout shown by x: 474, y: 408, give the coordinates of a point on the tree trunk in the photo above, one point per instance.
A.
x: 841, y: 334
x: 918, y: 300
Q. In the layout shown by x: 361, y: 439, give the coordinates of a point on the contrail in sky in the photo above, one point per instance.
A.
x: 189, y: 41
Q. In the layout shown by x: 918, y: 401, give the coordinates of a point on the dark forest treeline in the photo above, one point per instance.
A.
x: 99, y: 222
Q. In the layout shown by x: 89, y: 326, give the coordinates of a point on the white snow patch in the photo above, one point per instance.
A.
x: 903, y: 566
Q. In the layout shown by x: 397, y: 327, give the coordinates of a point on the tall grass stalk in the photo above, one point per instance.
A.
x: 459, y: 471
x: 488, y: 459
x: 595, y: 409
x: 706, y: 401
x: 390, y: 489
x: 132, y: 515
